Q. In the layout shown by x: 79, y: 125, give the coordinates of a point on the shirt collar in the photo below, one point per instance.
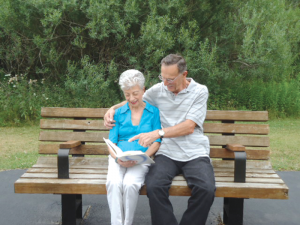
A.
x: 125, y: 108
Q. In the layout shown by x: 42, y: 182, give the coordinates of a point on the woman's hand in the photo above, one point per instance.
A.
x: 127, y: 164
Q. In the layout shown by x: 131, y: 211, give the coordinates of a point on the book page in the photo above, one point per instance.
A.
x: 115, y: 148
x: 138, y: 156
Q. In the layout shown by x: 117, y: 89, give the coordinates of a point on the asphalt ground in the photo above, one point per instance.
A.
x: 33, y: 209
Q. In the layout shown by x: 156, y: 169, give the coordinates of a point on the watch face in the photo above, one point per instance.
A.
x: 161, y: 132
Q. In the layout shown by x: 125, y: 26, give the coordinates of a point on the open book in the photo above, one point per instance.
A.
x: 138, y: 156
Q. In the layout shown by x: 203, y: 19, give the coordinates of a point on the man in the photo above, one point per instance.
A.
x: 184, y: 149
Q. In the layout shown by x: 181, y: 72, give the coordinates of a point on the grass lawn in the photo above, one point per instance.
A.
x: 19, y: 145
x: 285, y: 144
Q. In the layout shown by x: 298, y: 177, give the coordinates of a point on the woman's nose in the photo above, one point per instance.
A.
x: 131, y: 98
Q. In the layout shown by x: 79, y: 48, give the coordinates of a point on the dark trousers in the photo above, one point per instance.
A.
x: 200, y: 178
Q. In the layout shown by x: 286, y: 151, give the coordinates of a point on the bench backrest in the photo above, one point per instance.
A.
x: 221, y: 126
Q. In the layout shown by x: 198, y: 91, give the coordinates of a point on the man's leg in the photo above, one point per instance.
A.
x: 158, y: 182
x: 200, y: 178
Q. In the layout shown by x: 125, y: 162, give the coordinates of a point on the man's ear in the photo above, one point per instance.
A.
x: 185, y: 73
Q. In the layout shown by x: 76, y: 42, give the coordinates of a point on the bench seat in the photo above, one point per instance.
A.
x: 239, y: 148
x: 89, y: 175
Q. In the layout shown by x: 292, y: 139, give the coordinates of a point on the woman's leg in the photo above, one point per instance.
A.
x: 114, y: 187
x: 133, y: 181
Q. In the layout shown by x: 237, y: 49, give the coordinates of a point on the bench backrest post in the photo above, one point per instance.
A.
x: 83, y: 142
x: 227, y: 134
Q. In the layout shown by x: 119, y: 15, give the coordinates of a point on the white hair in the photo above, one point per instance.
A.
x: 131, y: 78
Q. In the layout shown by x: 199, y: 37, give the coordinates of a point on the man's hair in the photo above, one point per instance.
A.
x: 173, y: 59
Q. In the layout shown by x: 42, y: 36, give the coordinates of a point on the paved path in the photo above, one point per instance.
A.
x: 33, y: 209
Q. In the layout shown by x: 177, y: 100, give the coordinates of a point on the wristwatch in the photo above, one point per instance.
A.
x: 161, y: 134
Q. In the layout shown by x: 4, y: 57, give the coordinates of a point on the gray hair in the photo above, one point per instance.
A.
x: 173, y: 59
x: 131, y: 78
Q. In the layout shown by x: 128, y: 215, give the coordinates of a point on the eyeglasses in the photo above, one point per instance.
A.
x: 170, y: 81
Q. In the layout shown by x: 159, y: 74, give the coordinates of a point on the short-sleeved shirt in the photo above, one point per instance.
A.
x: 124, y: 130
x: 189, y: 103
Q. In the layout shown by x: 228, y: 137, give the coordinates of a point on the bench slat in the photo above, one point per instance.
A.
x: 255, y: 116
x: 103, y: 161
x: 249, y: 164
x: 94, y: 163
x: 102, y: 150
x: 178, y: 188
x: 215, y: 140
x: 261, y: 129
x: 251, y: 153
x: 263, y: 179
x: 60, y: 186
x: 220, y: 176
x: 235, y: 190
x: 66, y: 136
x: 102, y: 171
x: 64, y: 124
x: 57, y: 112
x: 252, y: 141
x: 82, y: 149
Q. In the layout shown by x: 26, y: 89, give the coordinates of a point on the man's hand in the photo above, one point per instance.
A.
x: 127, y: 164
x: 109, y: 118
x: 146, y: 139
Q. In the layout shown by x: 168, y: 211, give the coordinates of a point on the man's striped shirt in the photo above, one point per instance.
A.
x: 190, y: 104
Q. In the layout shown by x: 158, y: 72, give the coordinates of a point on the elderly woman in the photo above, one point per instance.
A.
x: 124, y: 179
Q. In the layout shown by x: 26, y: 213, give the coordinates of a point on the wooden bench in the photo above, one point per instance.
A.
x: 228, y: 131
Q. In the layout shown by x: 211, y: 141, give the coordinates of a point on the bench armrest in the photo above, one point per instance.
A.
x: 63, y: 158
x: 240, y: 158
x: 235, y: 147
x: 70, y: 144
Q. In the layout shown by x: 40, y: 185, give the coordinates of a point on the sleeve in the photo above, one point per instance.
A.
x: 149, y: 97
x: 156, y: 124
x: 197, y: 112
x: 114, y: 132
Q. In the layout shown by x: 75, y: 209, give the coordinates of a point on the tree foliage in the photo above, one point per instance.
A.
x: 82, y: 46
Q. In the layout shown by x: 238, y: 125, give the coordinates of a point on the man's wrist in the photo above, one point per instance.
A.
x: 161, y: 134
x: 157, y: 135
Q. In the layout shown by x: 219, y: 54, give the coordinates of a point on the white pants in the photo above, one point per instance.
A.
x: 123, y: 186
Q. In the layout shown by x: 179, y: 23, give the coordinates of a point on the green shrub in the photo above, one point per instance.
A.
x: 80, y: 48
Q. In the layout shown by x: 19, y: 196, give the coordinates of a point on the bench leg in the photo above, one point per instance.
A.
x: 79, y: 206
x: 71, y: 208
x: 233, y: 211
